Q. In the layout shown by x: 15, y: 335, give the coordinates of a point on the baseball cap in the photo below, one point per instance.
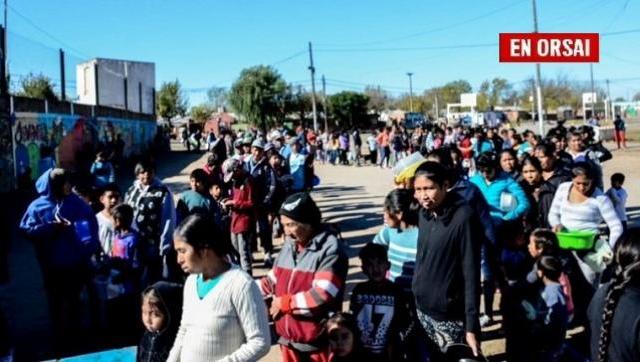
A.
x: 258, y: 143
x: 229, y: 166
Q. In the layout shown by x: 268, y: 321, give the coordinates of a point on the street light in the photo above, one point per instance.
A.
x: 410, y: 92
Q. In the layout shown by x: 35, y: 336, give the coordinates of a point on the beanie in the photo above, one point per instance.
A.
x: 301, y: 208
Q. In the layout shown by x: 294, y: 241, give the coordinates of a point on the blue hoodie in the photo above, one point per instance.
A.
x: 62, y: 247
x: 503, y: 183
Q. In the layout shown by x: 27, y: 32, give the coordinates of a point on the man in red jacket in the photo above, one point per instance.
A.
x: 241, y: 204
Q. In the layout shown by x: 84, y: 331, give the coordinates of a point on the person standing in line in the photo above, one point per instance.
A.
x: 155, y: 220
x: 306, y: 283
x: 618, y: 196
x: 297, y: 166
x: 446, y: 281
x: 223, y: 315
x: 242, y: 205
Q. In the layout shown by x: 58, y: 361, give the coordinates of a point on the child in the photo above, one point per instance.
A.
x: 343, y: 338
x: 161, y: 315
x: 543, y: 242
x: 125, y: 253
x: 198, y: 199
x: 243, y: 219
x: 618, y: 196
x: 549, y: 315
x: 378, y: 297
x: 400, y: 233
x: 109, y: 198
x: 102, y: 170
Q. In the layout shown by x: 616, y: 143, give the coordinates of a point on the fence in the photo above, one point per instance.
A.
x: 66, y: 134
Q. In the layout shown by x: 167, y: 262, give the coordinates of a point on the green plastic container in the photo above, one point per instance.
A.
x: 576, y: 240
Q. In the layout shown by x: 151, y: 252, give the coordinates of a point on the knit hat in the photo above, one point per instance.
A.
x: 258, y: 143
x: 301, y: 208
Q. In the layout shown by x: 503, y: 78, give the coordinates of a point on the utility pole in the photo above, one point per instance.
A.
x: 610, y: 101
x: 538, y: 78
x: 324, y: 104
x: 593, y: 92
x: 63, y: 92
x: 6, y: 30
x: 436, y: 120
x: 410, y: 74
x: 313, y: 89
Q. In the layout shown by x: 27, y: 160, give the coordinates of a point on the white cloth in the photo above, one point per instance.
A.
x: 229, y: 324
x: 106, y: 232
x: 587, y: 215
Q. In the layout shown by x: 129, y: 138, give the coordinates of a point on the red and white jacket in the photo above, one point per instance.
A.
x: 310, y: 281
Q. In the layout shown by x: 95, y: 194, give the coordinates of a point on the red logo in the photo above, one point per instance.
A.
x: 549, y: 47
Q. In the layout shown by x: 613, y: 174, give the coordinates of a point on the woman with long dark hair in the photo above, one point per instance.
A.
x: 223, y: 313
x: 614, y: 312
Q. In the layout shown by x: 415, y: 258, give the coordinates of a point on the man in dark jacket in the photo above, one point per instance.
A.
x: 446, y: 281
x: 64, y: 231
x: 265, y: 183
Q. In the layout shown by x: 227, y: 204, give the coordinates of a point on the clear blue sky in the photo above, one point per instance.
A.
x: 205, y: 43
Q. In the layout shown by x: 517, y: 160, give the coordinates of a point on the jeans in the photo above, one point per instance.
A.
x: 242, y: 243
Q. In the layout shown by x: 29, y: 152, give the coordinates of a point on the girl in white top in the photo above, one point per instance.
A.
x: 224, y: 317
x: 579, y: 205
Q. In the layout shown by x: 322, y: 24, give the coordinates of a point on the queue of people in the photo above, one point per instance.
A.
x: 483, y: 211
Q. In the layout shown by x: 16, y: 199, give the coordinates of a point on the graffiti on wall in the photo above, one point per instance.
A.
x: 44, y: 140
x: 6, y: 156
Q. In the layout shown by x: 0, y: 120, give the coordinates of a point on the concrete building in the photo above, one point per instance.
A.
x: 106, y: 81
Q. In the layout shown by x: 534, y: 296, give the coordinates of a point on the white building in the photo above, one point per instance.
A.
x: 110, y: 90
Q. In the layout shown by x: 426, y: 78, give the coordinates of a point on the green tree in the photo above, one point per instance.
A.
x: 260, y: 95
x: 349, y: 108
x: 378, y: 98
x: 217, y: 97
x: 38, y: 86
x: 420, y: 103
x: 636, y: 97
x: 201, y: 112
x: 171, y: 100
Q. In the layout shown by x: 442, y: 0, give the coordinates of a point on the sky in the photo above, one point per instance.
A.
x: 355, y: 42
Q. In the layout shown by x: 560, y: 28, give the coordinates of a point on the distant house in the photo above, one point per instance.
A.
x: 105, y: 82
x: 218, y: 121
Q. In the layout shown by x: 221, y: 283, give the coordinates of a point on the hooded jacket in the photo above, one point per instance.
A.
x: 548, y: 190
x: 155, y: 346
x: 61, y: 247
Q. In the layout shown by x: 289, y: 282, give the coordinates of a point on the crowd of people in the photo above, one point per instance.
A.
x: 480, y: 210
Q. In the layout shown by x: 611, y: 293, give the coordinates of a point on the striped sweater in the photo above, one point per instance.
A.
x: 310, y: 281
x: 401, y: 246
x: 587, y: 215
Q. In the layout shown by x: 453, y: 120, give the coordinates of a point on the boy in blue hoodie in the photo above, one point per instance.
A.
x: 102, y: 170
x: 64, y: 231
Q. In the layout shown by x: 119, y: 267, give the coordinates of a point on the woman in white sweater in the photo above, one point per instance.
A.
x: 224, y: 317
x: 580, y: 205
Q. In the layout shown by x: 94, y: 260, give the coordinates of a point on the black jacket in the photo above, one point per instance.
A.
x: 155, y: 346
x: 264, y: 180
x: 548, y: 190
x: 446, y: 281
x: 625, y: 329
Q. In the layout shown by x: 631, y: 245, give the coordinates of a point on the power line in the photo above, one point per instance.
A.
x: 288, y: 58
x: 434, y: 30
x: 621, y: 32
x: 36, y: 26
x: 460, y: 46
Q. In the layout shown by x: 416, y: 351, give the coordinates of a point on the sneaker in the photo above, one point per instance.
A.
x: 485, y: 320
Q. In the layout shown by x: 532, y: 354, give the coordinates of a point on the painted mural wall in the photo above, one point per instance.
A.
x: 6, y: 156
x: 69, y: 141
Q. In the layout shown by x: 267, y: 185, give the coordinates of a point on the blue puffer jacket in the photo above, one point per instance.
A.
x: 503, y: 183
x: 61, y: 247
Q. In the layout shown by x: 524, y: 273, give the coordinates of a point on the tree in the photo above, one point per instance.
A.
x: 499, y: 89
x: 38, y: 86
x: 171, y: 100
x: 620, y: 99
x: 217, y: 97
x: 636, y: 97
x: 260, y: 95
x: 349, y: 108
x: 378, y: 98
x: 201, y: 113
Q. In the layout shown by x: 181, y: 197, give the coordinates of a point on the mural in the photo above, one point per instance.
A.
x: 6, y: 155
x: 44, y: 140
